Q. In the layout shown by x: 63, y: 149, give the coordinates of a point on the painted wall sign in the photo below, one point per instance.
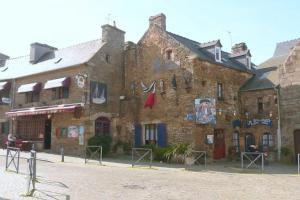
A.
x: 209, y: 139
x: 253, y: 122
x: 81, y: 135
x: 98, y: 92
x: 190, y: 117
x: 73, y: 131
x: 205, y: 110
x: 6, y: 100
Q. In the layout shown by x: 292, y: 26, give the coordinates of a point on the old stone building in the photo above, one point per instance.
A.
x: 196, y: 92
x: 289, y: 76
x: 165, y: 89
x: 64, y: 96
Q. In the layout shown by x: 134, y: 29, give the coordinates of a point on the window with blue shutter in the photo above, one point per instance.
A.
x: 137, y: 135
x: 161, y: 135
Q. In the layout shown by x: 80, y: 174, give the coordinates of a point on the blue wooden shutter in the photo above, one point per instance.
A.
x: 137, y: 135
x: 161, y: 135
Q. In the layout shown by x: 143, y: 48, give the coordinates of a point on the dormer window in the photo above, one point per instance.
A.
x: 218, y: 56
x: 248, y: 61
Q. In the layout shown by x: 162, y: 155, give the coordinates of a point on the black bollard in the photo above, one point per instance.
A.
x: 62, y: 154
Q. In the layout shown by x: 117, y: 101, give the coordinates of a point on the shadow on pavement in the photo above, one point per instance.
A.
x: 51, y: 183
x: 46, y: 195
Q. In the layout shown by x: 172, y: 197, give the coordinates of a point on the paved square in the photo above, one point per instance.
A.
x: 117, y: 180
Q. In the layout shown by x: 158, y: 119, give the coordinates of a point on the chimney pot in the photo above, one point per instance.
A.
x: 238, y: 48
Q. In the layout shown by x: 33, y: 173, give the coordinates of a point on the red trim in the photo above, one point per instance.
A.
x: 6, y: 87
x: 43, y: 110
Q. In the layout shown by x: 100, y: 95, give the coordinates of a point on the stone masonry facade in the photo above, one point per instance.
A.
x: 179, y: 76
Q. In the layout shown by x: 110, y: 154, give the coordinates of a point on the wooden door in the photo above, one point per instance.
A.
x: 297, y: 141
x: 219, y: 144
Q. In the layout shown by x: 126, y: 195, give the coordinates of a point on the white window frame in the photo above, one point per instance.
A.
x: 218, y: 50
x: 248, y: 60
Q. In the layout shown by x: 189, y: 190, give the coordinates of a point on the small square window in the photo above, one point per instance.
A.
x: 260, y: 105
x: 169, y: 55
x: 107, y: 58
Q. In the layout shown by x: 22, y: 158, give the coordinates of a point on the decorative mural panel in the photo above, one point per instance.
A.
x: 98, y: 92
x: 205, y: 109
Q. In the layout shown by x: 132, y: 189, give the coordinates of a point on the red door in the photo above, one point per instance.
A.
x: 219, y: 146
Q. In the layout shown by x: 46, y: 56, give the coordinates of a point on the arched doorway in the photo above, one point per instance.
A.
x: 102, y: 126
x: 249, y: 140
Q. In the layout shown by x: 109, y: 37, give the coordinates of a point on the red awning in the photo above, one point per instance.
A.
x: 43, y: 110
x: 31, y: 87
x: 4, y: 86
x: 60, y: 82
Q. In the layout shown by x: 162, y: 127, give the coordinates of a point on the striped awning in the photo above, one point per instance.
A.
x: 31, y: 87
x: 44, y: 110
x: 60, y: 82
x: 4, y: 86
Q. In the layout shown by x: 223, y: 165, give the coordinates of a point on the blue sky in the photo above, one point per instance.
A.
x: 61, y: 23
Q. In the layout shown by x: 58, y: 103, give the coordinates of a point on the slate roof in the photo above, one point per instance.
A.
x: 284, y: 48
x: 61, y: 58
x: 264, y: 78
x: 203, y: 54
x: 211, y: 43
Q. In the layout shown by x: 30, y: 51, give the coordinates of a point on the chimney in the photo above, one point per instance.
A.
x: 3, y: 59
x: 38, y: 50
x: 112, y: 34
x: 242, y: 54
x: 158, y: 20
x: 239, y: 48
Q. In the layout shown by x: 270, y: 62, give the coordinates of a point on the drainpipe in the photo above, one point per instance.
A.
x: 279, y: 124
x: 12, y: 104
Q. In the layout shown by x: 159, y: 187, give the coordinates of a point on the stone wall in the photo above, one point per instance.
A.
x: 290, y: 97
x: 249, y: 105
x: 147, y: 62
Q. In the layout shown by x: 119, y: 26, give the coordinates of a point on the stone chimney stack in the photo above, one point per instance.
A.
x: 112, y: 34
x: 158, y: 20
x: 38, y: 50
x: 239, y: 48
x: 3, y: 59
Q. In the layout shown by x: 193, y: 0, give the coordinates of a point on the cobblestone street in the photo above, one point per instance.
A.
x: 117, y: 180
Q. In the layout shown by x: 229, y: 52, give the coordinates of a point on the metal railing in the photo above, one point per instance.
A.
x: 12, y: 157
x: 31, y: 173
x: 193, y: 157
x: 93, y: 152
x: 141, y: 155
x: 252, y: 157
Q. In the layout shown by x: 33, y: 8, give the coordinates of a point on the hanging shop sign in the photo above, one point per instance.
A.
x: 253, y: 122
x: 80, y: 80
x: 205, y: 109
x: 236, y: 123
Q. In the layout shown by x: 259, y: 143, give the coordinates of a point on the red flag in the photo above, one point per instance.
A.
x: 150, y: 100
